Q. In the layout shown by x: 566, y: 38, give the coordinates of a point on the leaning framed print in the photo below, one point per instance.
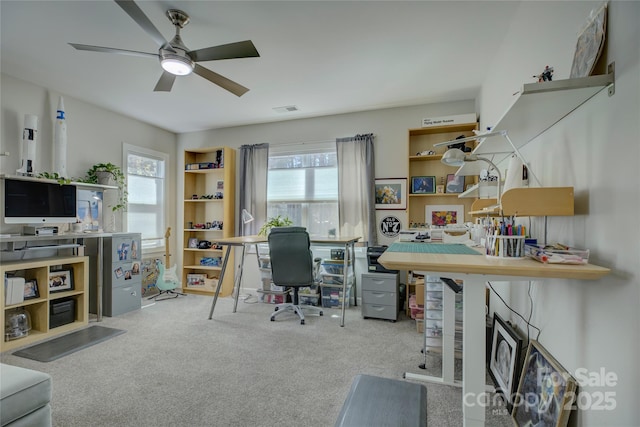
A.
x: 546, y: 391
x: 60, y: 280
x: 455, y: 184
x: 391, y: 193
x: 423, y: 185
x: 504, y: 366
x: 31, y: 289
x: 441, y: 215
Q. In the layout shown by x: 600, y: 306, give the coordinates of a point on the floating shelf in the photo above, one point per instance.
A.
x: 545, y: 201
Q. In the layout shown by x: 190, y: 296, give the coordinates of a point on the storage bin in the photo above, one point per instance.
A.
x: 420, y: 325
x: 555, y: 255
x: 332, y: 297
x: 415, y: 308
x: 434, y: 286
x: 61, y: 312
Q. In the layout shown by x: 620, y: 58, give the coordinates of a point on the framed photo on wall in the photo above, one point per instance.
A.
x: 423, y: 185
x: 391, y: 193
x: 505, y: 366
x: 545, y: 392
x: 442, y: 215
x: 455, y: 184
x: 60, y: 280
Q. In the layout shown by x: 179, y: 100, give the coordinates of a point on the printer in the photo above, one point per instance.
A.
x: 373, y: 253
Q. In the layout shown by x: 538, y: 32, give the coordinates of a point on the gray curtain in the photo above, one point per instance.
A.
x: 254, y: 163
x: 356, y: 186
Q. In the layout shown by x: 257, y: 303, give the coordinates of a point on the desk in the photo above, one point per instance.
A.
x: 475, y: 270
x: 244, y: 241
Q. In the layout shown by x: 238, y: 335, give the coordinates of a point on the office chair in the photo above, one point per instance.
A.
x: 292, y: 266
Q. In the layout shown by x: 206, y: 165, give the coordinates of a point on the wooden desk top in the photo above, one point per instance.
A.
x: 250, y: 240
x: 480, y: 264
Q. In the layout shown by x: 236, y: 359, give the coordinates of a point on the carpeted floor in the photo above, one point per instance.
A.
x: 174, y: 367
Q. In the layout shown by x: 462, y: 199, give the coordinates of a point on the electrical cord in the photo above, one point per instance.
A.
x: 518, y: 314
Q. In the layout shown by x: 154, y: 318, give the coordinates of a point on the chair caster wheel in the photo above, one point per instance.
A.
x: 302, y: 322
x: 273, y: 319
x: 321, y: 313
x: 276, y: 309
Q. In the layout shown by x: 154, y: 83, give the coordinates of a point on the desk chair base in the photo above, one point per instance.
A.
x: 172, y: 292
x: 288, y: 307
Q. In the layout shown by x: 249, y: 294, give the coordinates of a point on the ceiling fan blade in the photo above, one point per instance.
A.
x: 113, y: 50
x: 223, y: 82
x: 165, y: 83
x: 244, y: 49
x: 141, y: 19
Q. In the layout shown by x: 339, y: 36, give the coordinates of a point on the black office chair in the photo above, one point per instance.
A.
x: 292, y: 266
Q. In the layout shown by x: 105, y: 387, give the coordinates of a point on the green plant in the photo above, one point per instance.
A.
x: 54, y: 176
x: 94, y: 176
x: 277, y: 221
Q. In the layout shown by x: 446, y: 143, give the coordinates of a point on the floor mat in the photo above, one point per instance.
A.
x: 62, y: 346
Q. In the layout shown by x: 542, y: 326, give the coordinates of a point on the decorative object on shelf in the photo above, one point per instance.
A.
x: 110, y: 174
x: 546, y: 75
x: 505, y: 365
x: 548, y: 388
x: 440, y: 189
x: 443, y: 215
x: 423, y: 185
x: 455, y: 184
x: 31, y: 289
x: 456, y: 157
x: 60, y: 280
x: 17, y: 323
x: 590, y: 43
x: 277, y: 221
x: 29, y: 141
x: 460, y: 145
x: 390, y: 193
x: 60, y: 140
x: 193, y: 243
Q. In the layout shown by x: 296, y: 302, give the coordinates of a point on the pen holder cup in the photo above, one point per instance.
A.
x: 505, y: 247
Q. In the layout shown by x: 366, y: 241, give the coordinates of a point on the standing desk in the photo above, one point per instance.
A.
x: 475, y: 270
x: 244, y: 241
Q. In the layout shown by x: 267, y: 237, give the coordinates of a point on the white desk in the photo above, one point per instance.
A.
x: 244, y: 241
x: 475, y: 270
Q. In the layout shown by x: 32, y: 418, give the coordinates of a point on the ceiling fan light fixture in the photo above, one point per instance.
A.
x: 177, y: 65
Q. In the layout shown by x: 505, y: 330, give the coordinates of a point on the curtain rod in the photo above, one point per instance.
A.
x: 282, y: 144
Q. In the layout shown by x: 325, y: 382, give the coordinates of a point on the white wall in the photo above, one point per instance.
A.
x: 94, y: 135
x: 391, y: 144
x: 585, y: 324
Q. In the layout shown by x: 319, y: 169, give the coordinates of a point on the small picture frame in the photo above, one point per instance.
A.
x: 440, y: 189
x: 545, y: 382
x: 455, y: 184
x: 193, y: 243
x: 391, y: 193
x: 31, y: 289
x: 60, y: 281
x: 505, y: 366
x: 423, y: 185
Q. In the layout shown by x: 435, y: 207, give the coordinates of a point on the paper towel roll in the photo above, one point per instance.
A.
x: 515, y: 174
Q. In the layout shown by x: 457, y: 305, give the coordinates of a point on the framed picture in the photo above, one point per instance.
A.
x: 31, y: 289
x: 504, y: 366
x: 545, y: 392
x: 441, y: 215
x: 455, y: 184
x: 391, y: 193
x: 440, y: 189
x: 61, y: 280
x: 423, y: 185
x: 193, y: 242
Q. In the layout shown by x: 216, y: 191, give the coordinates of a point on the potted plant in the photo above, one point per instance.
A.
x: 278, y: 221
x: 109, y: 174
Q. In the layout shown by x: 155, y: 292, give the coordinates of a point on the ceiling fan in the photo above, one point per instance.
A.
x: 176, y: 59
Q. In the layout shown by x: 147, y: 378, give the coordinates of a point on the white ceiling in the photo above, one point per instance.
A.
x: 325, y: 57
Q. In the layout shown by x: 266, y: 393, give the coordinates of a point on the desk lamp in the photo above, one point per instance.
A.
x: 456, y: 157
x: 246, y: 219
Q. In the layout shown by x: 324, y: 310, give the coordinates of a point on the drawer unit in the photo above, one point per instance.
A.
x: 380, y: 295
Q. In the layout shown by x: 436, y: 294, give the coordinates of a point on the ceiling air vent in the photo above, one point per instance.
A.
x: 286, y: 109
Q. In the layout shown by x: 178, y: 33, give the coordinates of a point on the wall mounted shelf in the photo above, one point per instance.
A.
x: 545, y: 201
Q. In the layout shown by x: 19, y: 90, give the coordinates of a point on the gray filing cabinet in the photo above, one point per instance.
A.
x: 122, y: 279
x: 380, y: 295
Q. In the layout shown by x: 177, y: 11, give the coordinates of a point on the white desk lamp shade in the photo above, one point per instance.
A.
x: 456, y: 157
x: 246, y: 217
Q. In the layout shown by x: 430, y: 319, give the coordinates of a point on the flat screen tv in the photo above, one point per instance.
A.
x: 38, y: 202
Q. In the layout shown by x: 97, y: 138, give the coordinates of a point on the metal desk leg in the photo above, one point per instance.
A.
x: 345, y: 275
x: 238, y: 281
x: 100, y: 263
x: 220, y: 278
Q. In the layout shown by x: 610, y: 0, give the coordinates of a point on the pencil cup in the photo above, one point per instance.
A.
x: 505, y: 247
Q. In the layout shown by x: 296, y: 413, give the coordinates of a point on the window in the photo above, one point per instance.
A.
x: 303, y: 185
x: 147, y: 201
